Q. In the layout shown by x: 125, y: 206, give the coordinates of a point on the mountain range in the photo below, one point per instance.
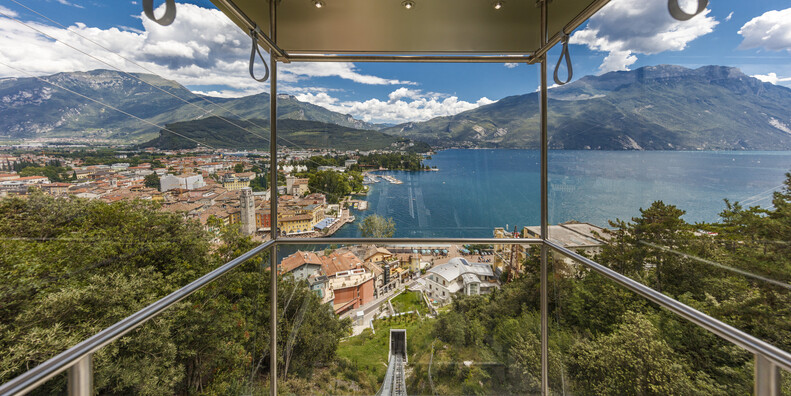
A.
x: 31, y: 108
x: 254, y: 134
x: 661, y: 107
x: 654, y: 108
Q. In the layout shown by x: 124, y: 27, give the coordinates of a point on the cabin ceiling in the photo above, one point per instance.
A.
x: 436, y: 27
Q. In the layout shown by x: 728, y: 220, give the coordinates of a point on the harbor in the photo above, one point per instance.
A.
x: 391, y: 179
x: 370, y: 178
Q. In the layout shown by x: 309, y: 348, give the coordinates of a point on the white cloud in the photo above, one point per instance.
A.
x: 728, y: 18
x: 404, y: 93
x: 510, y: 65
x: 553, y: 86
x: 64, y: 2
x: 624, y: 28
x: 770, y: 30
x: 201, y: 48
x: 343, y: 70
x: 771, y: 78
x: 617, y: 60
x: 403, y: 105
x: 8, y: 12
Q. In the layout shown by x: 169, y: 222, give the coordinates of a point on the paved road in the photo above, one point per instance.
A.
x: 370, y: 310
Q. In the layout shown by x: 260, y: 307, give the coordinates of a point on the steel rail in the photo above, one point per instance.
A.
x: 774, y: 354
x: 250, y: 24
x: 273, y: 200
x: 544, y: 137
x: 411, y: 58
x: 405, y: 241
x: 568, y: 29
x: 33, y: 378
x: 36, y: 376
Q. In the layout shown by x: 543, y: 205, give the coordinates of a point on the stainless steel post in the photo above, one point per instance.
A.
x: 81, y: 377
x: 767, y: 377
x: 273, y: 231
x: 544, y: 212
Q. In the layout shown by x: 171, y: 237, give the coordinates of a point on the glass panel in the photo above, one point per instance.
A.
x: 72, y: 267
x: 605, y: 339
x: 669, y: 166
x: 215, y: 341
x: 394, y: 168
x: 366, y: 303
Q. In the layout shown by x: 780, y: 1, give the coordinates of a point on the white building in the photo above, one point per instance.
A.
x: 459, y: 276
x: 186, y: 182
x: 294, y: 168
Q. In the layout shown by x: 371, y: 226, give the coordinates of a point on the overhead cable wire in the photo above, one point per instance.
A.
x: 146, y: 82
x: 202, y: 97
x: 106, y: 105
x: 131, y: 75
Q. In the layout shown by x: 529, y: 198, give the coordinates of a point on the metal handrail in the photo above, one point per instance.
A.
x: 776, y: 355
x: 31, y: 379
x: 402, y: 241
x: 62, y: 362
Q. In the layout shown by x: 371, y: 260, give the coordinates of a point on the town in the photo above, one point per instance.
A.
x: 361, y: 282
x: 231, y: 188
x: 216, y: 188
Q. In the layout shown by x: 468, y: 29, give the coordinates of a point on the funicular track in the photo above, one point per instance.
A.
x: 395, y: 379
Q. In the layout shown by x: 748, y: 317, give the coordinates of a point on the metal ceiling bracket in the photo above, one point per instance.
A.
x: 265, y: 41
x: 679, y: 14
x: 573, y: 24
x: 170, y: 12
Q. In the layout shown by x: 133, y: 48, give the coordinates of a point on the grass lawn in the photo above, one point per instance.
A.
x: 409, y: 301
x: 365, y: 355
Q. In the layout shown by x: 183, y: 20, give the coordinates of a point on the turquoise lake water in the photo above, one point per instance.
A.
x: 477, y: 190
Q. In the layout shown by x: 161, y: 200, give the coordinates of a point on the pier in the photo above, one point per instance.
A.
x: 391, y: 179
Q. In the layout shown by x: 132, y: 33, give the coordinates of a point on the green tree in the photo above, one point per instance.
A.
x: 332, y: 184
x: 53, y: 173
x: 633, y: 360
x: 71, y: 267
x: 157, y: 164
x: 375, y: 226
x: 151, y: 181
x: 238, y: 168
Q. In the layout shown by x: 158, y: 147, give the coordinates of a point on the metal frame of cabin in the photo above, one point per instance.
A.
x: 346, y: 23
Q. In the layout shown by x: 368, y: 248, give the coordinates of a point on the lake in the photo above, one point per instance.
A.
x: 477, y: 190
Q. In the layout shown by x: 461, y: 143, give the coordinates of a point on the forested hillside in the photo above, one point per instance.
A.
x: 70, y: 268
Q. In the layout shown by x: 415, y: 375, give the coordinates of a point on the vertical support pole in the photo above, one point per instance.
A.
x: 544, y: 211
x: 767, y: 377
x: 273, y: 230
x: 81, y: 377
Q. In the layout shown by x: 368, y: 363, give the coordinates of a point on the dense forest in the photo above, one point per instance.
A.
x: 70, y: 268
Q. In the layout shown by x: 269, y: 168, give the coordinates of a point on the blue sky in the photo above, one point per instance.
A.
x: 204, y: 52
